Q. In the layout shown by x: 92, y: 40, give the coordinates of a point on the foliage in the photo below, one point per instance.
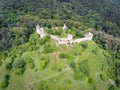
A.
x: 9, y: 66
x: 63, y: 55
x: 4, y: 84
x: 90, y: 80
x: 77, y: 75
x: 73, y: 66
x: 7, y: 77
x: 103, y: 76
x: 20, y: 67
x: 48, y: 48
x: 0, y: 62
x: 18, y: 21
x: 20, y: 64
x: 19, y: 71
x: 84, y: 46
x: 83, y: 67
x: 31, y: 65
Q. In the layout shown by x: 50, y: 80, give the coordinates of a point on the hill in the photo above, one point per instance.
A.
x: 41, y: 65
x: 29, y: 62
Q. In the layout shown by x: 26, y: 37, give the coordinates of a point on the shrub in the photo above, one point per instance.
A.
x: 35, y: 47
x: 84, y: 68
x: 8, y: 66
x: 77, y: 75
x: 42, y: 41
x: 44, y: 61
x: 4, y: 84
x: 19, y: 71
x: 48, y: 48
x: 84, y: 46
x: 73, y: 66
x: 20, y: 64
x: 90, y: 81
x: 0, y: 63
x: 31, y: 65
x: 43, y: 64
x: 7, y: 77
x: 94, y: 51
x: 20, y: 67
x: 103, y: 76
x: 63, y: 55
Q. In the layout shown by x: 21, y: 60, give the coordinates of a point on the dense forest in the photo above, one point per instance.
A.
x: 103, y: 15
x: 18, y: 19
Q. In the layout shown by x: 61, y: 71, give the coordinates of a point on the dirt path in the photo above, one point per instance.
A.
x: 51, y: 76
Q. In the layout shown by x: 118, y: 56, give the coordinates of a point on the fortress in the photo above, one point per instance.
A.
x: 68, y: 40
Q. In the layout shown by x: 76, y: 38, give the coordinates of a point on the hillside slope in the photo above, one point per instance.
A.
x: 40, y: 65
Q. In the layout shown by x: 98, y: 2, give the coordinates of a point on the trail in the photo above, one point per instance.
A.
x: 51, y: 76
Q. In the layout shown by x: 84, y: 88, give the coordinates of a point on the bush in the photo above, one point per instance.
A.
x: 20, y: 67
x: 84, y: 68
x: 31, y: 65
x: 90, y: 81
x: 84, y: 46
x: 0, y: 63
x: 35, y: 47
x: 63, y: 55
x: 6, y: 77
x: 77, y: 75
x: 4, y: 84
x: 19, y: 71
x: 48, y: 48
x: 42, y: 41
x: 94, y: 51
x: 44, y: 61
x: 103, y: 76
x: 20, y: 64
x: 73, y: 66
x: 43, y: 64
x: 8, y: 66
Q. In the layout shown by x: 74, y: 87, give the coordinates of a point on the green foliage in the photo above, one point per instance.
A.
x: 83, y: 67
x: 73, y: 66
x: 7, y: 77
x: 43, y: 64
x: 0, y: 62
x: 63, y: 55
x: 9, y: 66
x: 20, y: 64
x: 44, y: 40
x: 16, y: 27
x: 19, y: 67
x: 84, y: 46
x: 48, y: 48
x: 4, y: 84
x: 31, y: 65
x: 91, y: 81
x: 19, y: 71
x: 77, y: 75
x: 103, y: 76
x: 19, y: 18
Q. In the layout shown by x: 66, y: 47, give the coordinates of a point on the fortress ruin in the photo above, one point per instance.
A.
x: 68, y: 40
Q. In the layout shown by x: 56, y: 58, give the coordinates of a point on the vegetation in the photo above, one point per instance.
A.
x: 33, y: 63
x: 4, y: 84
